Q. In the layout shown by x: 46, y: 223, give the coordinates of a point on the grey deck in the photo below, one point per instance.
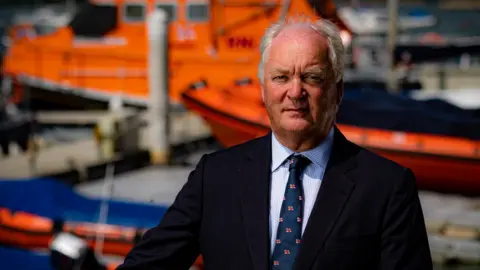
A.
x: 84, y: 152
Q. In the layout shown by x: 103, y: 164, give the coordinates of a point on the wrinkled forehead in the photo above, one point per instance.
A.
x: 299, y: 41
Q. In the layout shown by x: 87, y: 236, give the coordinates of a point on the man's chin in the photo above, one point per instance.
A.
x: 296, y: 125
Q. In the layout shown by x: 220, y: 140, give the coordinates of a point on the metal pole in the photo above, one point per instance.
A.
x: 442, y: 80
x: 158, y: 87
x: 392, y: 40
x: 103, y: 214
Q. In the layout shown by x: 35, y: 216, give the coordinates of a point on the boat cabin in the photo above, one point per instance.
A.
x: 212, y: 24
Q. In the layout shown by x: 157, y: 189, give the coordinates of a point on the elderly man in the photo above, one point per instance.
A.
x: 301, y: 197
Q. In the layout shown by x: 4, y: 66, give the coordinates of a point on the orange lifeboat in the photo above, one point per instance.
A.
x: 102, y: 52
x: 236, y: 115
x: 29, y: 231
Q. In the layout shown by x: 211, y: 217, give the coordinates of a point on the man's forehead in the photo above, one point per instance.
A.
x: 283, y: 57
x: 298, y: 32
x: 299, y: 39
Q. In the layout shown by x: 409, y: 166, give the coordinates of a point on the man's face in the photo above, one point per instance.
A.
x: 299, y: 85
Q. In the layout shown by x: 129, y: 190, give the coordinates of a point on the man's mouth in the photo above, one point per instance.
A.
x: 296, y: 110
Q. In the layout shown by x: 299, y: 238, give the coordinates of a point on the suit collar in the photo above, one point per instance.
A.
x: 255, y: 201
x: 318, y: 155
x: 343, y: 151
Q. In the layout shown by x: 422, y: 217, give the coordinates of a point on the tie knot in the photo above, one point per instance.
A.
x: 298, y: 162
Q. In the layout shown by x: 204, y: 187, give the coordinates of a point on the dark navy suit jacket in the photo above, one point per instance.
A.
x: 367, y: 215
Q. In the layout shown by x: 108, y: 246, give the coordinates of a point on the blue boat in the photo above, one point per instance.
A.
x: 60, y: 209
x: 57, y: 201
x: 15, y: 259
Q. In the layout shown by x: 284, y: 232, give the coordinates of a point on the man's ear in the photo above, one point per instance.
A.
x: 340, y: 89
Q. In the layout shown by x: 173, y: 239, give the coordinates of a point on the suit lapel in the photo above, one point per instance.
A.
x: 332, y: 196
x: 255, y: 200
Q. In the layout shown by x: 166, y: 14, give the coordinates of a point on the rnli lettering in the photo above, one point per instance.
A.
x: 240, y: 42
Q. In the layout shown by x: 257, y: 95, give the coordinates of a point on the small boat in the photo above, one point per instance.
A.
x: 30, y: 231
x: 373, y: 20
x: 33, y: 211
x: 442, y: 162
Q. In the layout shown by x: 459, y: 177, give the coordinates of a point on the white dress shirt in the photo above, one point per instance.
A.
x: 311, y: 179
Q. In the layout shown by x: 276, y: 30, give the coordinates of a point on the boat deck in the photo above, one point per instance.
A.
x: 83, y: 154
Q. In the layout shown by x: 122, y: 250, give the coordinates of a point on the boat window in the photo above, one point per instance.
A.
x: 170, y: 9
x: 134, y: 12
x: 94, y: 20
x: 197, y: 12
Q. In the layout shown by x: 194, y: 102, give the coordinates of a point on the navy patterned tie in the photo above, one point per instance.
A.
x: 289, y: 232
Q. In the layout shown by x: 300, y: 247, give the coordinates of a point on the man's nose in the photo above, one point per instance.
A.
x: 295, y: 90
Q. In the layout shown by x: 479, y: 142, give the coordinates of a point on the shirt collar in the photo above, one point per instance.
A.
x: 318, y: 155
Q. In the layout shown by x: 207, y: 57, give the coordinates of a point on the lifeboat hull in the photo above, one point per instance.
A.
x: 29, y: 231
x: 437, y: 172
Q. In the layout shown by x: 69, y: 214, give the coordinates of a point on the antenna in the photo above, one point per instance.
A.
x: 284, y: 11
x: 391, y: 44
x: 103, y: 214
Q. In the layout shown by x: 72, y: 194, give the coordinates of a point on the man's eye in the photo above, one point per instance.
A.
x: 280, y: 78
x: 314, y: 78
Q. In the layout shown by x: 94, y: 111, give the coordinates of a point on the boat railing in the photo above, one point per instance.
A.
x: 74, y: 62
x: 88, y: 71
x: 74, y: 50
x: 411, y: 142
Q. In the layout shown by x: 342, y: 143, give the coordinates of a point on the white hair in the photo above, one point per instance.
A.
x: 323, y: 27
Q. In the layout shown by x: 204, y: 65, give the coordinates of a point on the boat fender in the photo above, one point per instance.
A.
x: 198, y: 85
x: 68, y: 252
x: 57, y: 226
x: 243, y: 81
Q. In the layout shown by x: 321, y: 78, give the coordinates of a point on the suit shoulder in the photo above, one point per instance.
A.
x: 237, y: 151
x: 372, y: 158
x: 382, y: 168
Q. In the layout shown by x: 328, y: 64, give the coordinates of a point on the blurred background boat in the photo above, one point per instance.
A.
x: 102, y: 51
